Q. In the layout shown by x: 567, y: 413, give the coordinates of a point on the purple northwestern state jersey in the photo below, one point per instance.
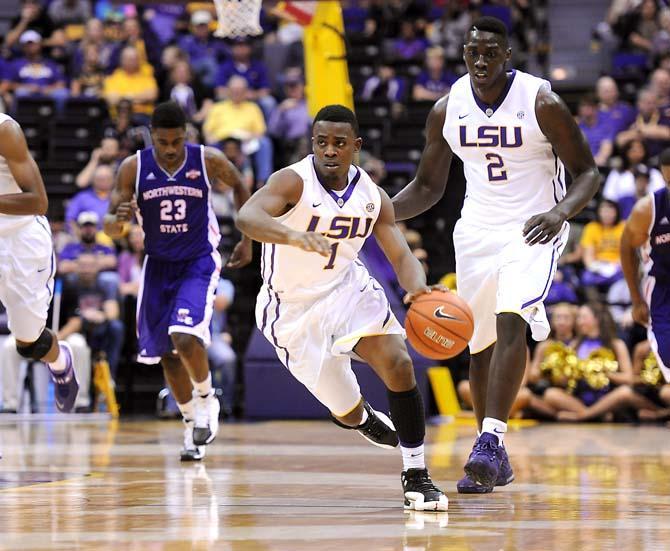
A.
x: 659, y: 236
x: 176, y: 209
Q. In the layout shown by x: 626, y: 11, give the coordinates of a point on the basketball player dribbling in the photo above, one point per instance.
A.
x: 649, y: 225
x: 318, y: 304
x: 27, y: 264
x: 172, y: 183
x: 513, y: 135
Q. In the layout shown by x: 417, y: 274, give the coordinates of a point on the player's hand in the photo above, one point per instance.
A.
x: 125, y: 211
x: 241, y: 254
x: 310, y: 241
x: 641, y: 313
x: 413, y: 295
x: 542, y: 228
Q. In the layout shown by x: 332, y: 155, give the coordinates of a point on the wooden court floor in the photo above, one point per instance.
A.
x: 92, y: 484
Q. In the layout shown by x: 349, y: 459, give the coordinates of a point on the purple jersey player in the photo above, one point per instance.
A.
x: 649, y: 224
x: 172, y: 183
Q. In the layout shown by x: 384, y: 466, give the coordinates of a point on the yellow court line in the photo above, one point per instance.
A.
x: 51, y: 483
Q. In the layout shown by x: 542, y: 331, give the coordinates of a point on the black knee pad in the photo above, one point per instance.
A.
x: 38, y: 349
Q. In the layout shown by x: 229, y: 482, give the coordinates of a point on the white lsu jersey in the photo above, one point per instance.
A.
x: 9, y: 222
x: 510, y: 168
x: 346, y: 218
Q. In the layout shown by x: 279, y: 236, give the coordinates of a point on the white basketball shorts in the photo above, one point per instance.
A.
x: 496, y: 271
x: 315, y: 338
x: 27, y: 268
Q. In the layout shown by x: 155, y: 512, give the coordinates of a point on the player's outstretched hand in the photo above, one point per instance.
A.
x: 310, y: 241
x: 241, y: 254
x: 641, y: 313
x: 411, y: 297
x: 542, y: 228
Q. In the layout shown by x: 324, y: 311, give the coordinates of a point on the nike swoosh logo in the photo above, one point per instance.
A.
x: 498, y: 431
x: 463, y: 116
x: 316, y: 205
x: 39, y: 271
x: 439, y: 313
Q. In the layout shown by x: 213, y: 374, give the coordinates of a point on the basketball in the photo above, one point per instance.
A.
x: 439, y: 325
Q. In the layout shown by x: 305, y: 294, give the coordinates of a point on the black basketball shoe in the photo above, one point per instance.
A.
x: 377, y: 429
x: 420, y: 492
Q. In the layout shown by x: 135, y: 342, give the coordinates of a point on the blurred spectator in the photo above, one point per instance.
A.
x: 95, y: 310
x: 130, y: 263
x: 33, y: 75
x: 89, y: 80
x: 94, y: 35
x: 650, y: 125
x: 232, y: 148
x: 598, y: 130
x: 384, y: 84
x: 620, y: 182
x: 130, y: 130
x: 164, y: 20
x: 600, y: 248
x: 69, y: 12
x: 659, y: 83
x: 187, y: 90
x: 132, y: 36
x: 240, y: 118
x: 129, y: 82
x: 254, y: 71
x: 105, y: 257
x: 619, y: 113
x: 222, y: 358
x: 638, y: 27
x: 32, y: 17
x: 449, y: 30
x: 627, y: 202
x: 408, y: 45
x: 658, y: 393
x: 661, y: 40
x: 108, y: 153
x: 94, y: 199
x: 204, y: 51
x: 563, y: 287
x: 290, y: 123
x: 435, y: 80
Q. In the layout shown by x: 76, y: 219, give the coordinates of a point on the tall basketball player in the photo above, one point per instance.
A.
x: 319, y: 306
x: 513, y: 135
x: 650, y: 223
x: 27, y: 264
x: 172, y: 183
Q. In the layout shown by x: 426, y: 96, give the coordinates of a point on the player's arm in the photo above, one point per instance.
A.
x: 120, y: 205
x: 430, y: 181
x: 560, y: 128
x: 635, y: 235
x: 223, y: 175
x: 256, y: 218
x: 407, y: 267
x: 33, y: 199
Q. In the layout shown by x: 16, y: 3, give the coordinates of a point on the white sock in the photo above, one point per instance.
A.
x: 495, y: 426
x: 58, y: 365
x: 364, y: 417
x: 187, y: 410
x: 204, y: 388
x: 413, y: 458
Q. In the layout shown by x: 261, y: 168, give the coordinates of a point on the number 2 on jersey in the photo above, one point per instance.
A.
x: 167, y: 206
x: 333, y: 254
x: 496, y: 164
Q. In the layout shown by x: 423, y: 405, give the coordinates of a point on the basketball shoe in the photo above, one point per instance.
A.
x: 420, y: 492
x: 191, y: 452
x: 206, y: 418
x: 65, y: 382
x: 505, y: 476
x: 378, y: 429
x: 483, y: 466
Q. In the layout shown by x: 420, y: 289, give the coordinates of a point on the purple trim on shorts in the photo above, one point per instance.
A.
x: 494, y: 106
x: 388, y: 317
x: 272, y: 267
x: 53, y: 267
x: 546, y: 285
x: 272, y: 329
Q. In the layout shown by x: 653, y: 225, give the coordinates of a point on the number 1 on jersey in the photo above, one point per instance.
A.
x: 333, y: 254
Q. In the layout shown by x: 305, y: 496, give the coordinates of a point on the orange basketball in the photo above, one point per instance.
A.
x: 439, y: 325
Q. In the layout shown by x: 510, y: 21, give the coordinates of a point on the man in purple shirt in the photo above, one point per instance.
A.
x: 598, y: 131
x: 94, y: 199
x: 435, y: 80
x: 32, y: 75
x: 205, y: 52
x: 620, y: 114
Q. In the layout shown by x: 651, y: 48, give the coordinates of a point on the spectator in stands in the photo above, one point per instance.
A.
x: 130, y: 263
x: 69, y: 12
x: 253, y: 70
x: 619, y: 113
x: 435, y: 80
x: 240, y: 118
x: 290, y: 123
x: 658, y: 393
x: 32, y: 17
x: 205, y: 52
x: 408, y: 46
x: 187, y: 90
x: 598, y: 131
x: 638, y: 27
x: 94, y: 310
x: 130, y: 130
x: 449, y: 30
x: 108, y: 153
x: 222, y: 358
x: 627, y: 202
x: 384, y: 85
x: 94, y: 199
x: 600, y: 249
x: 650, y: 125
x: 94, y: 35
x: 89, y: 80
x: 33, y: 75
x: 661, y: 40
x: 232, y: 148
x: 659, y: 82
x: 129, y: 82
x: 621, y: 181
x: 132, y: 36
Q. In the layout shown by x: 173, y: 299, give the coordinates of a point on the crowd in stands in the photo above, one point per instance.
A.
x: 247, y: 97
